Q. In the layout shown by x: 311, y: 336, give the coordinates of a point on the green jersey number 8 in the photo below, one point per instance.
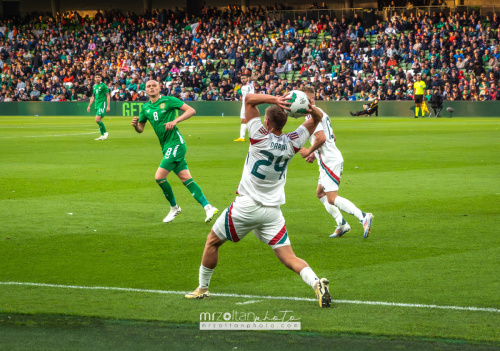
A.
x: 155, y: 115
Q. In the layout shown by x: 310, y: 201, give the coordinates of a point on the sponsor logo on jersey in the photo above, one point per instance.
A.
x: 147, y: 111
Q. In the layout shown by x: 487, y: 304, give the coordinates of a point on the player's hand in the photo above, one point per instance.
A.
x: 88, y: 109
x: 135, y: 120
x: 282, y: 101
x: 310, y: 158
x: 304, y: 152
x: 314, y: 112
x: 170, y: 125
x: 108, y: 109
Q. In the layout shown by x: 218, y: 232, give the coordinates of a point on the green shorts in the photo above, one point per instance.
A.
x: 100, y: 109
x: 173, y: 158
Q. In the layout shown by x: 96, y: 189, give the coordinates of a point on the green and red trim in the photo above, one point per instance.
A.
x: 329, y: 171
x: 229, y: 225
x: 281, y: 237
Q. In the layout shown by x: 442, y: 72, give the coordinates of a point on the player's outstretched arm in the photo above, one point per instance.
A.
x: 253, y: 100
x: 139, y: 127
x: 318, y: 142
x: 188, y: 113
x: 316, y: 116
x: 108, y: 102
x: 90, y: 103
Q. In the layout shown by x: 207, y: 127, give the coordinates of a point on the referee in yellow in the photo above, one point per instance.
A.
x: 418, y: 93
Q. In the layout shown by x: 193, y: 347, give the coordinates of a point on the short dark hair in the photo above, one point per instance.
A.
x: 277, y: 117
x: 307, y: 90
x: 98, y: 75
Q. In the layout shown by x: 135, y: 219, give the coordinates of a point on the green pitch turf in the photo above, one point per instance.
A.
x: 85, y: 213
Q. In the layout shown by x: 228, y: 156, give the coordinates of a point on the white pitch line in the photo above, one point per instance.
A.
x: 42, y: 136
x: 248, y: 302
x: 171, y: 292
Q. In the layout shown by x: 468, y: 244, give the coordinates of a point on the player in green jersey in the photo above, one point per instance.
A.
x: 101, y: 96
x: 160, y: 111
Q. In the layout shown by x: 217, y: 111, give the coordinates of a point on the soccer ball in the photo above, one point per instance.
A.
x: 300, y: 102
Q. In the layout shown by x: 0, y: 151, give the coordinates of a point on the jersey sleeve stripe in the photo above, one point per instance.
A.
x: 296, y: 149
x: 329, y: 171
x: 263, y: 131
x: 279, y: 236
x: 255, y: 141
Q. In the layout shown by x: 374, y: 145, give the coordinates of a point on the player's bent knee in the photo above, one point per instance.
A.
x: 331, y: 197
x: 213, y: 239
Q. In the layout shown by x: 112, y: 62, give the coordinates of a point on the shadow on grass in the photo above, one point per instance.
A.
x: 62, y: 332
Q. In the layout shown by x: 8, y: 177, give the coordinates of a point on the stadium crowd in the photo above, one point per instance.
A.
x: 54, y: 59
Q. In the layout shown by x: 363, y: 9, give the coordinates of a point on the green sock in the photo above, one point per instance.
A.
x: 196, y: 191
x: 167, y: 191
x: 102, y: 128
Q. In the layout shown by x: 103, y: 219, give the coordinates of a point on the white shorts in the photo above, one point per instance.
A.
x: 329, y: 175
x: 244, y: 215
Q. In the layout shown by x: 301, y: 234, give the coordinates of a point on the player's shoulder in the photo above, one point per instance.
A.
x: 294, y: 135
x: 146, y: 105
x: 171, y: 99
x: 322, y: 111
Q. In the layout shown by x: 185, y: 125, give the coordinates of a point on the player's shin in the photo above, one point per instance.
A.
x: 308, y: 275
x: 348, y: 207
x: 196, y: 191
x: 333, y: 210
x: 243, y: 128
x: 102, y: 128
x: 205, y: 275
x: 167, y: 191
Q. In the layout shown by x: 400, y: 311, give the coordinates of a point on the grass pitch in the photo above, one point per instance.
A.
x: 79, y: 212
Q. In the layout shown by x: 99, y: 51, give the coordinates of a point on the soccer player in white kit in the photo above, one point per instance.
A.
x: 262, y: 192
x: 331, y: 165
x: 246, y: 88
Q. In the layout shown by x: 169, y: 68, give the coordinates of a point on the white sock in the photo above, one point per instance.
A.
x: 309, y: 276
x: 205, y: 276
x: 333, y: 210
x: 348, y: 207
x: 243, y: 128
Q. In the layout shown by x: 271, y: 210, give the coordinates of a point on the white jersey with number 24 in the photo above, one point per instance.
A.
x: 264, y: 173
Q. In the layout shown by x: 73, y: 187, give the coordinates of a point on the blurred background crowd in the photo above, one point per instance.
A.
x: 54, y: 59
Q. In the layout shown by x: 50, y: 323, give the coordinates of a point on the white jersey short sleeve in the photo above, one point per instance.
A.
x: 264, y: 172
x: 328, y: 151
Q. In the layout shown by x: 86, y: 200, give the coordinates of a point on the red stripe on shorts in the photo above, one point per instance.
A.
x: 278, y: 236
x: 232, y: 231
